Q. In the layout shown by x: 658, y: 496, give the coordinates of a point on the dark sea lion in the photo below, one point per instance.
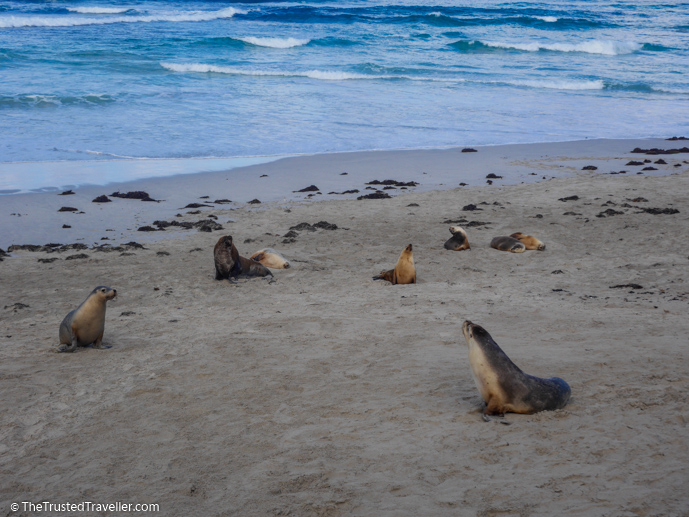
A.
x: 225, y: 256
x: 503, y: 386
x: 228, y: 262
x: 529, y: 242
x: 458, y: 241
x: 505, y: 243
x: 404, y: 271
x: 86, y: 324
x: 270, y: 258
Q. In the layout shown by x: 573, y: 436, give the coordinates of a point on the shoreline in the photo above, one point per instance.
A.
x: 328, y: 393
x: 279, y: 181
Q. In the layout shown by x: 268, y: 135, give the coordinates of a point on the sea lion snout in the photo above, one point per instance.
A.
x: 409, y: 247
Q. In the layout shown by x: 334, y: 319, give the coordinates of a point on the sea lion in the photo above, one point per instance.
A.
x: 85, y: 324
x: 458, y: 241
x: 404, y: 272
x: 228, y: 262
x: 503, y: 386
x: 225, y: 256
x: 529, y: 242
x: 507, y: 244
x: 270, y: 258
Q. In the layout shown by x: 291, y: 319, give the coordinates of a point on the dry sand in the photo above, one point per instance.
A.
x: 326, y: 393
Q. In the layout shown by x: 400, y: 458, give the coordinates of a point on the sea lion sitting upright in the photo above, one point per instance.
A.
x: 458, y: 241
x: 503, y: 386
x: 225, y: 256
x: 270, y: 258
x: 228, y: 262
x: 85, y: 324
x: 529, y: 242
x: 404, y: 272
x: 507, y: 244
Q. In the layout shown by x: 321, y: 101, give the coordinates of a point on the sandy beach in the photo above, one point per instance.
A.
x: 325, y: 393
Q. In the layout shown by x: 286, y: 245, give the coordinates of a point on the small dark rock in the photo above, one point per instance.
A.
x: 626, y: 286
x: 659, y: 211
x: 490, y: 182
x: 291, y: 235
x: 77, y: 256
x: 639, y: 200
x: 413, y: 204
x: 394, y: 183
x: 139, y: 194
x: 204, y: 197
x: 649, y: 169
x: 589, y: 168
x: 17, y: 306
x: 102, y: 199
x: 538, y: 216
x: 470, y: 208
x: 128, y: 313
x: 660, y: 162
x: 48, y: 260
x: 557, y: 272
x: 609, y: 213
x: 355, y: 191
x: 469, y: 150
x: 222, y: 201
x: 634, y: 163
x: 493, y: 176
x: 463, y: 184
x: 195, y: 205
x: 375, y: 195
x: 570, y: 198
x: 163, y: 253
x: 254, y: 202
x: 325, y: 225
x: 149, y: 229
x: 66, y: 226
x: 66, y: 193
x: 473, y: 224
x: 310, y: 188
x: 68, y: 209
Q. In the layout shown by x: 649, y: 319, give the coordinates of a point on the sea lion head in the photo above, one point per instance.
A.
x: 408, y: 249
x: 104, y: 292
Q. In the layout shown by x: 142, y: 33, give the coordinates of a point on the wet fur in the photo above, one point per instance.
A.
x: 504, y: 243
x: 504, y: 387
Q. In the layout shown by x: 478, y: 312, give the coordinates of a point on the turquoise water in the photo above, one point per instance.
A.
x: 135, y: 80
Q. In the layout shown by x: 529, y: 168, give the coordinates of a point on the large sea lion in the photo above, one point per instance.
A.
x: 225, y: 256
x: 404, y: 272
x: 503, y: 386
x: 228, y: 262
x: 270, y: 258
x: 458, y: 241
x: 85, y: 324
x: 505, y: 243
x: 529, y: 242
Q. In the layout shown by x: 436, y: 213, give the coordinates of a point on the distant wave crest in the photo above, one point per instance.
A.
x: 275, y: 42
x: 313, y: 74
x: 98, y: 10
x: 603, y: 47
x: 67, y: 21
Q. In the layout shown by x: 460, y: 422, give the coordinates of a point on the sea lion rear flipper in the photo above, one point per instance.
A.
x: 69, y: 348
x: 385, y: 275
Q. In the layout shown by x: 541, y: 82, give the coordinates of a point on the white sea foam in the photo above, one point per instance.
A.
x: 605, y: 47
x: 68, y: 21
x: 275, y: 42
x: 549, y: 19
x: 313, y: 74
x: 561, y: 85
x: 98, y: 10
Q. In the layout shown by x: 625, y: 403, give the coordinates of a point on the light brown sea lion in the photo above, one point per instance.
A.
x: 404, y: 272
x: 503, y: 386
x: 529, y: 242
x: 458, y: 241
x: 270, y: 258
x: 505, y: 243
x: 85, y: 324
x: 228, y: 262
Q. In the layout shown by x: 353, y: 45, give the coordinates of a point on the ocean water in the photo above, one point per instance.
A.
x: 136, y: 82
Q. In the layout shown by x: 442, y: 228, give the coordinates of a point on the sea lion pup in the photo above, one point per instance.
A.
x: 458, y: 241
x: 228, y: 262
x: 270, y: 258
x: 404, y: 272
x: 507, y: 244
x: 529, y: 242
x: 85, y: 324
x: 503, y: 386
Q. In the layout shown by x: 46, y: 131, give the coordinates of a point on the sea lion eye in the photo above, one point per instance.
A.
x: 102, y: 290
